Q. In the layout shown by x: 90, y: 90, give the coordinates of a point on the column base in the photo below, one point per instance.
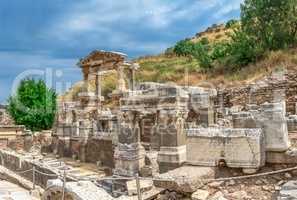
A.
x: 170, y: 158
x: 129, y: 160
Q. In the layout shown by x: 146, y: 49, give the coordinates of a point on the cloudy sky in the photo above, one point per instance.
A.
x: 47, y: 37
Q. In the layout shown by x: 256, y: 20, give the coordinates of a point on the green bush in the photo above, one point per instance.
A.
x: 243, y: 49
x: 34, y: 105
x: 184, y: 48
x: 220, y: 50
x: 231, y: 23
x: 204, y: 41
x: 201, y: 54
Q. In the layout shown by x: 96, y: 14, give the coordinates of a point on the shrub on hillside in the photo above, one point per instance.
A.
x: 201, y: 54
x: 220, y: 50
x: 243, y: 49
x: 231, y: 23
x: 184, y: 48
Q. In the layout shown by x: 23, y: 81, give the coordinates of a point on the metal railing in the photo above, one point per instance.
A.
x: 63, y: 177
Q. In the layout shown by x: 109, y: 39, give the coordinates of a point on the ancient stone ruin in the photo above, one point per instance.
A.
x: 176, y: 136
x: 180, y: 125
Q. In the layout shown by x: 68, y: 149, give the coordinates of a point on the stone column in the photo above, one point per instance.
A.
x: 274, y: 126
x: 98, y: 90
x: 98, y: 85
x: 203, y: 104
x: 129, y: 154
x: 172, y: 152
x: 132, y: 79
x: 85, y: 71
x: 121, y: 80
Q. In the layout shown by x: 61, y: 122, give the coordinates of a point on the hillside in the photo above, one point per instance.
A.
x: 167, y: 67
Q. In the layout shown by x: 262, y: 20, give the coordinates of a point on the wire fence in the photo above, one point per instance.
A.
x: 62, y: 175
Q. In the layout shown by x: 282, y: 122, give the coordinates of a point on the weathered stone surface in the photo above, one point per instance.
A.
x: 82, y: 190
x: 292, y: 122
x: 271, y: 119
x: 145, y: 185
x: 274, y: 125
x: 13, y: 192
x: 200, y: 195
x: 238, y: 195
x: 102, y: 150
x: 288, y: 157
x: 218, y: 196
x: 186, y: 179
x: 268, y: 90
x: 288, y: 191
x: 211, y: 146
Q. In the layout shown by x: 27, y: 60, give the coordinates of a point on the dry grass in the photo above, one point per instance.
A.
x: 185, y: 71
x: 272, y: 61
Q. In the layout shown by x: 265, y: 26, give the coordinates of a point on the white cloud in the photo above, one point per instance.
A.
x: 226, y: 8
x: 116, y: 23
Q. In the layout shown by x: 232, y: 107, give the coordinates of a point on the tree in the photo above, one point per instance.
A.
x: 33, y: 105
x: 271, y: 23
x: 242, y: 49
x: 201, y: 54
x: 184, y: 48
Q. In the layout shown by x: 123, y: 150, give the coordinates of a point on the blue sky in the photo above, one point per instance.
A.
x: 54, y: 34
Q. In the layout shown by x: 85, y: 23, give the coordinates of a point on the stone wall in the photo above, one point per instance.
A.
x: 277, y: 86
x: 5, y: 119
x: 100, y: 150
x: 18, y: 163
x: 91, y: 150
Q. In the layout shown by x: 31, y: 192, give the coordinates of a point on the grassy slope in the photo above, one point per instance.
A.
x: 182, y: 70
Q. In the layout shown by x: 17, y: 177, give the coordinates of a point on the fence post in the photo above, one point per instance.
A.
x: 64, y: 185
x: 33, y: 177
x: 138, y: 187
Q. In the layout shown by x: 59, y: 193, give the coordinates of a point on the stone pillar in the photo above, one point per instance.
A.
x: 274, y: 126
x: 132, y: 79
x: 85, y: 72
x: 121, y: 80
x: 271, y: 118
x: 206, y: 116
x: 129, y: 154
x: 99, y: 98
x: 172, y: 152
x: 203, y: 104
x: 98, y: 86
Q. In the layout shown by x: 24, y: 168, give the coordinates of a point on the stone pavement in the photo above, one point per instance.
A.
x: 13, y: 192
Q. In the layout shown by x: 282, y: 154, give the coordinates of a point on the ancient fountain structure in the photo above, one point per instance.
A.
x: 182, y: 125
